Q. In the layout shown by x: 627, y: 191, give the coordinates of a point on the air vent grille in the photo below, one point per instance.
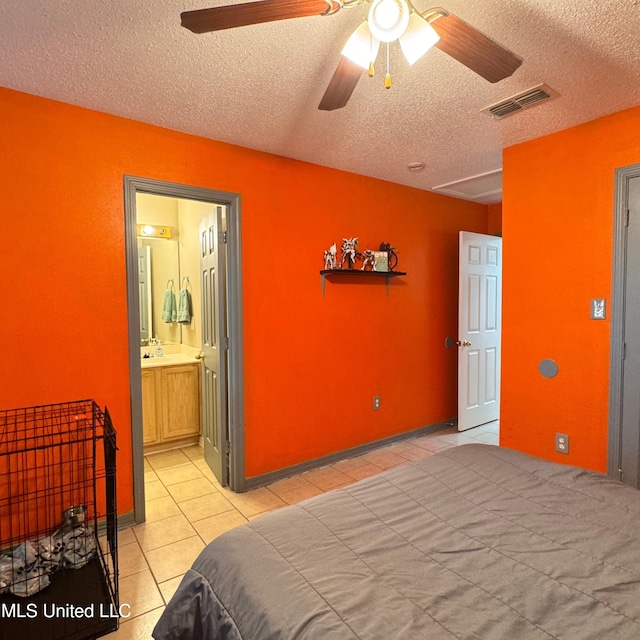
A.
x: 520, y: 101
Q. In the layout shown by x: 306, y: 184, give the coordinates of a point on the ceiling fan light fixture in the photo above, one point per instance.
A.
x: 388, y: 19
x: 362, y: 47
x: 418, y: 38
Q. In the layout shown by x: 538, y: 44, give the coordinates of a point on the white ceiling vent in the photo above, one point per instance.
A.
x: 521, y: 101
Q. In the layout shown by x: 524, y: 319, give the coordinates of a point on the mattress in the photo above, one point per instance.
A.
x: 474, y: 542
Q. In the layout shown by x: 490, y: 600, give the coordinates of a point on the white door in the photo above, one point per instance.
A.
x: 479, y: 329
x: 214, y: 343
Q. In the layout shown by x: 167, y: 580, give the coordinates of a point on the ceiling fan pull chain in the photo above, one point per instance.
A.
x: 371, y: 55
x: 387, y: 78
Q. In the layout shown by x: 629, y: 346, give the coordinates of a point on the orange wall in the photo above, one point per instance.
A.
x: 312, y: 364
x: 558, y: 232
x: 494, y: 212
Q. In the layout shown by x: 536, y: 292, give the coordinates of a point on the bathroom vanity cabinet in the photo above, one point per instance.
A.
x: 170, y: 405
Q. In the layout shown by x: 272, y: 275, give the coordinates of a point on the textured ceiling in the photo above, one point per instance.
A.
x: 259, y: 86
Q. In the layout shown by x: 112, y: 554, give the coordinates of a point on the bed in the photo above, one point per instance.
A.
x: 474, y: 542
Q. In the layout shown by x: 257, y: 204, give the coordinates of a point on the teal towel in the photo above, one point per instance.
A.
x: 184, y: 307
x: 169, y: 311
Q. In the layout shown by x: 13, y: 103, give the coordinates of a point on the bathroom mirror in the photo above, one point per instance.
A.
x: 159, y: 272
x: 169, y: 260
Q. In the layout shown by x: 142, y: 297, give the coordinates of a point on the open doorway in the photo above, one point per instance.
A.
x: 230, y: 439
x: 624, y: 387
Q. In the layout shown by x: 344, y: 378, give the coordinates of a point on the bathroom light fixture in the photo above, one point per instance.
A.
x: 390, y: 20
x: 151, y: 231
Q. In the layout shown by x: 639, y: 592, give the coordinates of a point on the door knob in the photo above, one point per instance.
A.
x: 200, y: 356
x: 463, y: 343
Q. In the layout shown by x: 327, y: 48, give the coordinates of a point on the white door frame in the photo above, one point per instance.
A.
x: 132, y: 186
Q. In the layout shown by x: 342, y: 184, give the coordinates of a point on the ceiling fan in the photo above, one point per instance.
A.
x: 387, y: 21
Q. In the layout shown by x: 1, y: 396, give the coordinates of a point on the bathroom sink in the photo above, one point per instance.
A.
x: 167, y: 359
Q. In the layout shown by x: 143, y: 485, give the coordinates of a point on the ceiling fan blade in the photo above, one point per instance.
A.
x: 470, y: 47
x: 240, y: 15
x: 341, y: 86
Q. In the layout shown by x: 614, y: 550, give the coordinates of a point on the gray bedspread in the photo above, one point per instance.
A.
x: 475, y: 542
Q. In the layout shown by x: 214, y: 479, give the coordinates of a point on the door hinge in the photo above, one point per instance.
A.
x: 226, y: 343
x: 626, y: 224
x: 620, y: 475
x: 223, y: 237
x: 624, y: 350
x: 227, y: 447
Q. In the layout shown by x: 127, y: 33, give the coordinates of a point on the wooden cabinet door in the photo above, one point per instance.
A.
x: 180, y: 401
x: 149, y: 409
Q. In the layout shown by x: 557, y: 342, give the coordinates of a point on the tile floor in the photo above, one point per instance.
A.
x: 187, y: 508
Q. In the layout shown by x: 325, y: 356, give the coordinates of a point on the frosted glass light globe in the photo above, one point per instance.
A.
x: 388, y: 19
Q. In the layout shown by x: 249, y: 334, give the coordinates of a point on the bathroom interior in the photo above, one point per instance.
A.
x: 170, y: 319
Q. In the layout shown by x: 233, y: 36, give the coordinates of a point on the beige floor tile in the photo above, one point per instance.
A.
x: 326, y: 478
x: 256, y: 501
x: 155, y: 489
x: 416, y: 453
x: 167, y: 459
x: 174, y: 475
x: 493, y: 427
x: 205, y: 506
x: 193, y: 452
x: 126, y: 536
x: 168, y: 588
x: 150, y: 475
x: 174, y: 559
x: 191, y: 489
x: 140, y: 592
x: 345, y: 466
x: 301, y: 493
x: 201, y: 463
x: 130, y: 559
x: 282, y: 486
x: 210, y: 528
x: 161, y: 508
x: 383, y: 459
x: 431, y: 443
x: 152, y: 535
x: 138, y: 628
x: 365, y: 471
x: 488, y: 438
x: 147, y: 466
x: 457, y: 439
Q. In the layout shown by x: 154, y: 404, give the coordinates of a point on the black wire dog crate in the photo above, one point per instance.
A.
x: 58, y: 523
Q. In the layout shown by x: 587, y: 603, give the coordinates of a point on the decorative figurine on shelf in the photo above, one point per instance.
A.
x: 391, y: 253
x: 349, y: 253
x: 330, y: 257
x: 368, y: 257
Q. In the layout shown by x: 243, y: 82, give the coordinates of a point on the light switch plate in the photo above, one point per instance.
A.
x: 598, y: 309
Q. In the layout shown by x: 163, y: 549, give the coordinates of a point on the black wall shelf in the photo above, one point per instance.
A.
x: 358, y: 273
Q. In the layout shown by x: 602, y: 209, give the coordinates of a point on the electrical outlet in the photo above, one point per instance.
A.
x: 376, y: 403
x: 562, y: 443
